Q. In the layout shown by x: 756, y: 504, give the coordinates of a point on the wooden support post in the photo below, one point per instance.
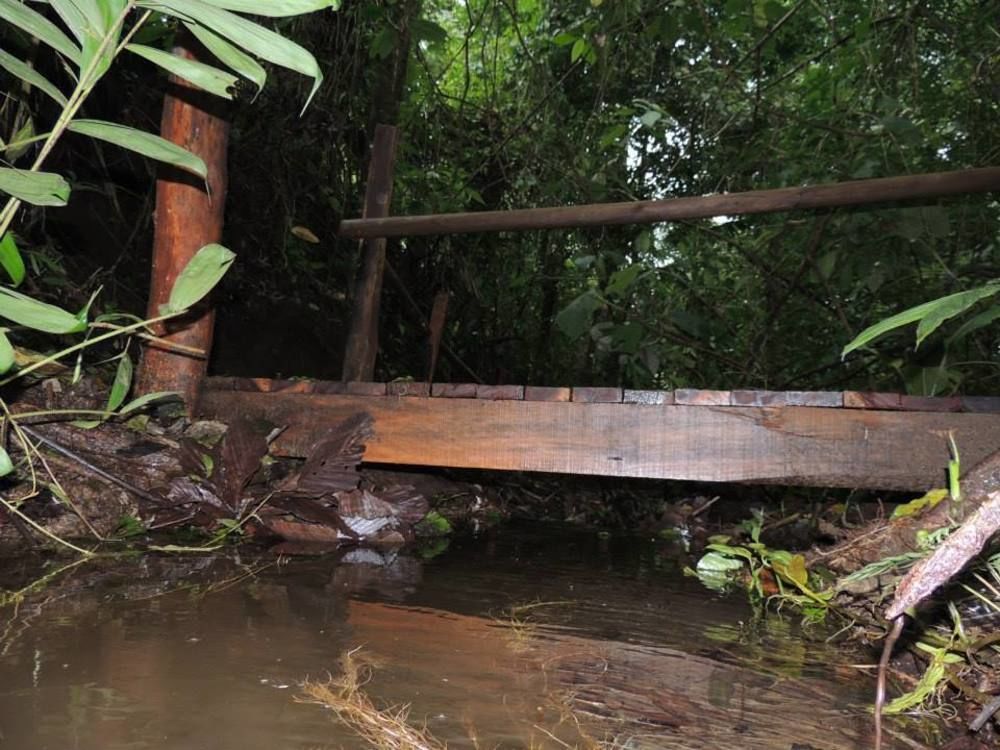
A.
x: 188, y: 216
x: 853, y: 193
x: 362, y: 339
x: 435, y: 329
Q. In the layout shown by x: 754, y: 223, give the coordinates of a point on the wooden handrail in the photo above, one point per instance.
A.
x: 851, y: 193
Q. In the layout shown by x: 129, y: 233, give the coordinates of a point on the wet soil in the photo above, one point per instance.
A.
x: 500, y: 642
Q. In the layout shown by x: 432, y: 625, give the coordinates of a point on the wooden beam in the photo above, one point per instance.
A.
x: 362, y: 338
x: 794, y: 445
x: 189, y: 214
x: 852, y: 193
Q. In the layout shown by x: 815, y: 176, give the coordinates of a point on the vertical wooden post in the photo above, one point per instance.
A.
x: 435, y: 329
x: 362, y: 339
x: 187, y: 217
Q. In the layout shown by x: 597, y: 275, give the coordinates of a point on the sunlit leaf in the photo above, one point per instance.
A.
x: 36, y: 188
x: 7, y: 358
x: 39, y: 27
x: 252, y: 37
x: 203, y: 76
x: 11, y: 260
x: 230, y: 55
x: 31, y: 76
x: 6, y: 465
x: 40, y: 316
x: 983, y: 319
x: 141, y: 142
x: 198, y: 278
x: 929, y: 500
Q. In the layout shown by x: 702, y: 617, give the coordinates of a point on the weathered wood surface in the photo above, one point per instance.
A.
x: 362, y: 338
x: 812, y: 446
x: 851, y: 193
x: 189, y: 214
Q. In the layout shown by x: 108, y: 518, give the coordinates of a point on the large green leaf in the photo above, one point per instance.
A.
x: 40, y: 316
x: 82, y: 17
x: 11, y: 260
x: 36, y: 188
x: 937, y: 311
x: 6, y: 352
x: 252, y: 37
x: 950, y: 306
x: 31, y: 76
x: 574, y: 319
x: 39, y: 27
x: 230, y: 55
x: 983, y: 319
x: 198, y: 278
x: 204, y: 76
x: 141, y: 142
x: 275, y: 8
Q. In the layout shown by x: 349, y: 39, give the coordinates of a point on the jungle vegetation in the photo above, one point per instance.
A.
x: 522, y: 103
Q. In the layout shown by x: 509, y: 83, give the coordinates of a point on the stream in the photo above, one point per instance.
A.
x: 526, y: 638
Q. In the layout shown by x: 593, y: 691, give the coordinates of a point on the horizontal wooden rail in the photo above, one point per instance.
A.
x: 691, y: 435
x: 852, y: 193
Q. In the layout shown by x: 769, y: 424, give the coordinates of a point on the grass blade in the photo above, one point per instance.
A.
x: 39, y: 27
x: 203, y: 76
x: 31, y: 76
x: 230, y: 55
x: 36, y: 188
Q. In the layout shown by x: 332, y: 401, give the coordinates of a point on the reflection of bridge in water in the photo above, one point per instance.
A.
x: 835, y: 439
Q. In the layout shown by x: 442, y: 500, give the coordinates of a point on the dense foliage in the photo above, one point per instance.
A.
x: 518, y: 103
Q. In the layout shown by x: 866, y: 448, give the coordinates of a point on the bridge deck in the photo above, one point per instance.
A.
x: 836, y: 439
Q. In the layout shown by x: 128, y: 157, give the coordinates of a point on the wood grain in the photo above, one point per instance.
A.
x: 785, y: 445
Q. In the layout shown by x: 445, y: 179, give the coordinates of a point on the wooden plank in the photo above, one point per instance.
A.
x: 362, y: 338
x: 786, y: 445
x: 871, y: 400
x: 759, y: 398
x: 546, y: 393
x: 650, y: 398
x: 500, y: 392
x: 453, y: 390
x: 597, y: 395
x: 851, y: 193
x: 408, y: 388
x: 701, y: 397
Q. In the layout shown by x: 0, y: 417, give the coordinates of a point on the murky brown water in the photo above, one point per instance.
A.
x: 188, y: 653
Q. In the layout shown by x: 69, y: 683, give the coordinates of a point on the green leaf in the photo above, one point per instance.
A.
x: 82, y: 17
x: 6, y: 465
x: 252, y: 37
x: 574, y: 319
x: 622, y: 279
x: 230, y: 55
x: 203, y: 76
x: 141, y: 142
x: 10, y: 259
x: 198, y: 278
x: 7, y: 357
x: 425, y: 30
x: 39, y: 27
x: 123, y: 382
x: 981, y: 320
x: 947, y: 307
x: 40, y: 316
x: 715, y: 562
x: 275, y: 8
x: 950, y: 306
x: 36, y: 188
x: 579, y: 48
x: 929, y: 500
x: 31, y: 76
x: 148, y: 398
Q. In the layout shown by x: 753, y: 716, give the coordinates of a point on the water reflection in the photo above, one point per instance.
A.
x: 494, y: 643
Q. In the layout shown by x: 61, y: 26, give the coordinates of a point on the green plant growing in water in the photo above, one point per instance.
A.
x: 724, y: 564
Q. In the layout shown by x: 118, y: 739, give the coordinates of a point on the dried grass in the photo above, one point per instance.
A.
x: 386, y: 728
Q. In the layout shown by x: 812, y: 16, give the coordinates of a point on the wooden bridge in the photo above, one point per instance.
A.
x: 835, y: 439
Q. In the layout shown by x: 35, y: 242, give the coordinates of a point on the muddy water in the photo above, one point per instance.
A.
x: 498, y: 642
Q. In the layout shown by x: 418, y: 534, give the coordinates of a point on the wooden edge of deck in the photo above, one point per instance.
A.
x: 794, y: 445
